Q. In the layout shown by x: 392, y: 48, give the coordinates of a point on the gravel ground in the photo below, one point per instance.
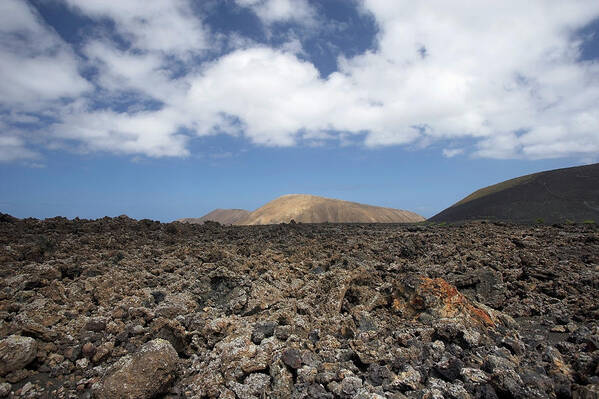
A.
x: 118, y: 308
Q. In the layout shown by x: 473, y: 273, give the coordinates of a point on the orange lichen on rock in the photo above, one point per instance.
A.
x: 481, y: 315
x: 397, y: 305
x: 453, y: 301
x: 442, y: 289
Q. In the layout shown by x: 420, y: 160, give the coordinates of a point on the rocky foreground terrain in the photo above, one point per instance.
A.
x: 117, y: 308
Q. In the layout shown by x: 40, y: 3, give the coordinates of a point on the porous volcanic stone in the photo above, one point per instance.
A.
x: 146, y: 374
x: 16, y: 352
x: 362, y: 311
x: 292, y: 358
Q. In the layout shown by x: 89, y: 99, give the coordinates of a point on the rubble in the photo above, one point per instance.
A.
x: 123, y: 308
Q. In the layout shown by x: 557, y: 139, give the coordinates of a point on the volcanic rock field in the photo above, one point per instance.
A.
x: 118, y: 308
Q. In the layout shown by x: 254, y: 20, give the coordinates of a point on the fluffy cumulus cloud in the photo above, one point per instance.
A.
x: 273, y: 11
x: 452, y: 152
x: 161, y: 25
x: 13, y: 148
x: 506, y: 76
x: 36, y: 65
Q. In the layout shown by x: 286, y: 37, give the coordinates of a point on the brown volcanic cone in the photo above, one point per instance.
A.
x: 223, y: 216
x: 312, y: 209
x: 553, y: 196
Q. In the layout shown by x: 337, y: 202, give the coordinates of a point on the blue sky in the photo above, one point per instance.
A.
x: 170, y: 109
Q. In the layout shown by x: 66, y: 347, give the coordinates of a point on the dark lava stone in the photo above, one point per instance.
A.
x: 506, y: 385
x: 95, y: 325
x: 485, y: 392
x: 449, y: 370
x: 88, y: 349
x: 537, y: 379
x: 292, y: 358
x: 263, y: 330
x: 318, y: 391
x: 563, y: 390
x: 378, y: 374
x: 580, y: 335
x: 515, y: 346
x: 122, y: 337
x: 158, y: 296
x: 314, y: 336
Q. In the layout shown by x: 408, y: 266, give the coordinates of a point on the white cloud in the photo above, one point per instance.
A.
x: 476, y: 79
x: 452, y: 152
x: 36, y: 66
x: 273, y: 11
x: 13, y: 148
x: 499, y: 146
x: 15, y: 15
x: 35, y: 79
x: 168, y: 26
x: 489, y: 70
x: 124, y: 70
x: 505, y: 75
x: 155, y: 134
x: 273, y: 93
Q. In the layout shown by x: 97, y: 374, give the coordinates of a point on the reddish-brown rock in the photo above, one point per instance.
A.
x: 16, y: 352
x: 145, y: 374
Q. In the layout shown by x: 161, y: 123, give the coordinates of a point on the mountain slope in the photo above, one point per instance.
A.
x: 312, y: 209
x: 223, y: 216
x: 553, y: 196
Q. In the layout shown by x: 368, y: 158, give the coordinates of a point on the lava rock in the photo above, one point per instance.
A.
x: 407, y: 380
x: 587, y: 392
x: 4, y: 389
x: 292, y: 358
x: 424, y: 311
x: 88, y: 349
x: 145, y: 374
x: 263, y: 330
x: 16, y: 352
x: 96, y: 325
x: 449, y: 369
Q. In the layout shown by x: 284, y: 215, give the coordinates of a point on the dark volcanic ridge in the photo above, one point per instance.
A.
x: 555, y: 196
x: 117, y: 308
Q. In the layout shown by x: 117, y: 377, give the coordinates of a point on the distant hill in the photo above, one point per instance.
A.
x: 312, y: 209
x: 223, y: 216
x: 570, y: 194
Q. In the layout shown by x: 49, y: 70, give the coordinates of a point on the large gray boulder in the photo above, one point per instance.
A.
x: 16, y: 352
x: 146, y: 374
